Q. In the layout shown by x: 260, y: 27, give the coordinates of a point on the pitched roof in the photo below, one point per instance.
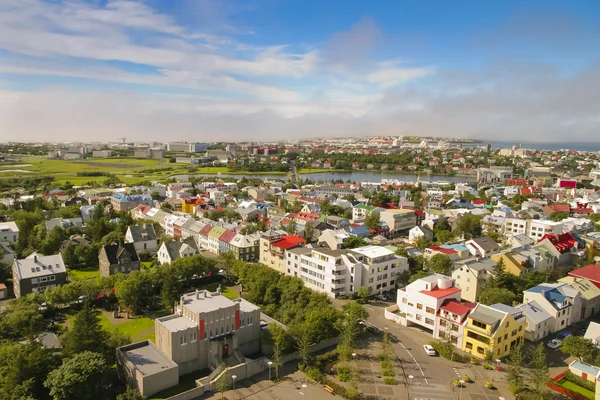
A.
x: 440, y: 293
x: 288, y: 241
x: 36, y: 265
x: 442, y: 250
x: 534, y: 311
x: 591, y: 272
x: 143, y: 232
x: 175, y: 248
x: 114, y: 251
x: 227, y: 236
x: 460, y: 308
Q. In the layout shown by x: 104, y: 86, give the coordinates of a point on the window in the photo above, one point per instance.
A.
x: 506, y: 337
x: 404, y: 300
x: 52, y: 278
x: 514, y: 333
x: 211, y: 335
x: 182, y: 340
x: 520, y: 328
x: 419, y: 306
x: 222, y: 330
x: 469, y: 346
x: 429, y: 310
x: 193, y: 337
x: 500, y: 340
x: 428, y: 321
x: 34, y: 280
x: 479, y: 324
x: 442, y: 322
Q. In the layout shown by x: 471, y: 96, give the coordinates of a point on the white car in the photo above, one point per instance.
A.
x: 554, y: 344
x: 429, y: 350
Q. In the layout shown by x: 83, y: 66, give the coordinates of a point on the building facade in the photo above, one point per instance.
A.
x: 36, y: 274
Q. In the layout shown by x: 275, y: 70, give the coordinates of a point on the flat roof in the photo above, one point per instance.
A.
x: 373, y: 251
x: 206, y: 301
x: 177, y: 324
x: 147, y: 358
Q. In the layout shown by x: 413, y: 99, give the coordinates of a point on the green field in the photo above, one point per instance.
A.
x: 84, y: 273
x: 575, y: 388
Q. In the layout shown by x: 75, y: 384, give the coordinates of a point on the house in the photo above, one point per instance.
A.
x: 333, y: 239
x: 206, y: 330
x: 421, y: 300
x: 590, y: 272
x: 273, y: 245
x: 358, y: 230
x: 537, y: 321
x: 590, y: 295
x: 513, y: 262
x: 433, y: 250
x: 400, y: 221
x: 87, y: 212
x: 593, y: 333
x: 9, y: 232
x: 361, y: 211
x: 118, y: 258
x: 143, y: 237
x: 471, y: 274
x: 3, y: 291
x: 452, y: 318
x: 381, y: 264
x: 245, y: 247
x: 37, y: 273
x: 64, y: 223
x: 127, y: 202
x: 171, y: 251
x: 554, y: 303
x: 483, y: 246
x: 418, y: 232
x: 585, y: 371
x: 496, y: 328
x: 7, y: 253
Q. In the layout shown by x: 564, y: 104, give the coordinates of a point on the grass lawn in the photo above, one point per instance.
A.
x: 150, y: 336
x: 575, y: 388
x: 131, y: 328
x: 186, y: 382
x: 225, y: 291
x: 318, y: 170
x: 146, y: 264
x: 84, y: 273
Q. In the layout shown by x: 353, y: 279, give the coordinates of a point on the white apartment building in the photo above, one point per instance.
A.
x: 534, y: 228
x: 216, y: 196
x: 399, y: 221
x: 421, y: 300
x: 174, y: 188
x: 554, y: 303
x: 342, y: 272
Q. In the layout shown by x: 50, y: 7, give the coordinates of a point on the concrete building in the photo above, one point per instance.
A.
x: 206, y: 330
x: 37, y: 273
x: 187, y: 147
x: 471, y: 274
x: 360, y: 211
x: 102, y: 154
x: 482, y: 246
x: 399, y: 221
x: 64, y: 223
x: 554, y: 303
x: 9, y: 232
x: 273, y: 245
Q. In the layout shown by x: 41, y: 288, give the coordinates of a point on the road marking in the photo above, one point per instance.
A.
x: 415, y: 360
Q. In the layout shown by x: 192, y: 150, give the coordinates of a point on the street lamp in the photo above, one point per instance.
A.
x: 270, y: 363
x: 462, y: 382
x: 304, y: 386
x: 410, y: 378
x: 353, y: 356
x: 233, y: 392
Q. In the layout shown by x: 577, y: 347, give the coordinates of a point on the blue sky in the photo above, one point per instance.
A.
x: 279, y: 70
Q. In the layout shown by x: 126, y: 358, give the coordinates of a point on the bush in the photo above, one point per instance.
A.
x: 447, y: 351
x: 344, y: 374
x: 314, y: 374
x: 389, y: 381
x: 456, y: 382
x: 488, y: 367
x: 489, y: 384
x: 388, y: 372
x: 386, y: 364
x: 466, y: 378
x: 580, y: 381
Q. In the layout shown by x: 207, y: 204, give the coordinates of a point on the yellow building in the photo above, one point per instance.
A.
x: 592, y: 245
x: 513, y: 263
x: 497, y: 328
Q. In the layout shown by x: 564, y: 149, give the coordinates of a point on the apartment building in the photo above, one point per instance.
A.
x: 399, y: 221
x: 470, y: 275
x: 534, y: 228
x: 554, y: 302
x: 273, y: 245
x: 343, y: 272
x: 360, y: 211
x: 537, y: 321
x: 496, y: 328
x: 36, y: 274
x: 187, y: 147
x: 590, y: 295
x: 452, y: 318
x: 127, y: 202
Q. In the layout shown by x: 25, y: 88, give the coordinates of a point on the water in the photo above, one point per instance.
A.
x: 581, y: 146
x: 354, y: 176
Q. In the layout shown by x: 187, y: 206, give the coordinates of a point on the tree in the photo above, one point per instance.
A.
x: 279, y: 341
x: 135, y: 292
x: 85, y: 376
x: 515, y: 370
x: 469, y: 226
x: 539, y: 372
x: 23, y: 370
x: 21, y: 318
x: 418, y: 275
x: 363, y: 293
x: 353, y: 242
x: 115, y: 340
x: 222, y: 384
x: 130, y: 394
x: 559, y: 216
x: 309, y: 232
x: 372, y: 220
x: 493, y: 295
x: 86, y: 334
x: 440, y: 264
x: 498, y: 278
x: 290, y: 227
x: 303, y: 344
x: 443, y: 236
x: 578, y: 346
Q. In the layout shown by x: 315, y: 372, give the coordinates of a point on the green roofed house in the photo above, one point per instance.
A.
x: 360, y: 211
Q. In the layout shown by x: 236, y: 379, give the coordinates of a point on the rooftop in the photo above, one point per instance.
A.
x: 204, y: 301
x: 177, y: 323
x: 441, y: 293
x: 373, y: 251
x: 458, y: 307
x: 36, y: 265
x: 147, y: 358
x: 288, y: 241
x: 591, y: 272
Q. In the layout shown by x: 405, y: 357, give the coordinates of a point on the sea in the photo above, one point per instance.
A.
x: 551, y: 146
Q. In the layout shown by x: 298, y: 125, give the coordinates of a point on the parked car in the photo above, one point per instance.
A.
x: 583, y: 328
x: 554, y: 344
x: 564, y: 335
x: 380, y: 297
x: 430, y: 351
x: 374, y: 330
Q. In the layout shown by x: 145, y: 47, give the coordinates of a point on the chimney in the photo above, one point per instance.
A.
x: 35, y: 258
x: 219, y: 289
x: 197, y: 294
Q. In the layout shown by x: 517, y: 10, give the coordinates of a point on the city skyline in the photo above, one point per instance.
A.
x: 271, y: 70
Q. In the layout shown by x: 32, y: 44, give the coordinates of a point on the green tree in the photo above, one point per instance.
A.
x: 172, y: 286
x: 579, y: 347
x: 279, y: 343
x: 515, y: 370
x: 303, y: 344
x: 135, y: 292
x: 363, y: 293
x: 440, y: 264
x: 418, y: 275
x: 443, y: 236
x: 23, y: 370
x: 372, y: 220
x: 469, y: 226
x: 86, y: 334
x: 21, y: 318
x: 115, y: 340
x: 499, y: 277
x: 539, y: 372
x: 493, y: 295
x: 85, y: 376
x: 559, y: 216
x: 291, y: 227
x: 222, y: 384
x: 130, y: 394
x: 309, y: 232
x: 353, y: 242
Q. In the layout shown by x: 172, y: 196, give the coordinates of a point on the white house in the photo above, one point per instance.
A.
x: 553, y: 302
x: 537, y: 321
x: 143, y: 237
x: 452, y: 318
x: 593, y: 333
x: 420, y: 232
x: 216, y: 196
x: 421, y: 300
x: 482, y: 246
x: 171, y: 251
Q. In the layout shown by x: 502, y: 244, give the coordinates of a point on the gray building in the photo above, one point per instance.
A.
x: 187, y: 147
x: 143, y: 237
x: 37, y: 274
x: 206, y: 330
x: 64, y: 223
x: 118, y: 258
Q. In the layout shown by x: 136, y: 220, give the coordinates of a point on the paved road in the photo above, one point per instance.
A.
x: 431, y: 375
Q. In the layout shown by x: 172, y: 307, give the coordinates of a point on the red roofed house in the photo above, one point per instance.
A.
x: 452, y: 318
x: 433, y: 250
x: 303, y: 217
x: 273, y: 245
x: 421, y: 300
x: 355, y: 165
x: 590, y: 272
x: 556, y: 207
x: 327, y: 164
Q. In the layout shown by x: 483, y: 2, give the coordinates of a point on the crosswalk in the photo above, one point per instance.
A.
x: 430, y: 391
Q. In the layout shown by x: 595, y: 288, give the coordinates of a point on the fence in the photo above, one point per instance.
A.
x: 552, y: 385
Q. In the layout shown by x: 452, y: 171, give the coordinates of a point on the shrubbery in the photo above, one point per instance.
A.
x: 580, y: 381
x: 448, y: 351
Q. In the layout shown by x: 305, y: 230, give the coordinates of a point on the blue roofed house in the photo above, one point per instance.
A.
x: 461, y: 249
x: 554, y: 303
x: 358, y: 230
x: 585, y: 371
x: 127, y: 202
x: 537, y: 321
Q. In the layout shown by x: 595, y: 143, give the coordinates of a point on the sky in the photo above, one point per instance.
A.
x: 264, y: 70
